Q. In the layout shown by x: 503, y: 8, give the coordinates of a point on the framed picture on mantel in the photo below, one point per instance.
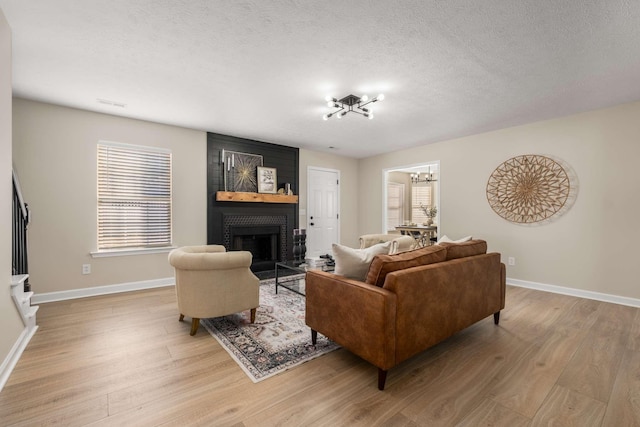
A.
x: 239, y: 170
x: 267, y: 180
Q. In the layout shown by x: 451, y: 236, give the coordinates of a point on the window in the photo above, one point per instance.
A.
x: 420, y: 195
x: 134, y: 197
x: 395, y: 205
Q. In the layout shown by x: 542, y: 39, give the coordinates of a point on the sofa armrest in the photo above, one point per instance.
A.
x: 355, y: 315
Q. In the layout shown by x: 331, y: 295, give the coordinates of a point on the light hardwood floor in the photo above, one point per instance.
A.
x: 124, y: 359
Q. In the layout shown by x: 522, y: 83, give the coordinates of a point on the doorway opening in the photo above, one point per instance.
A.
x: 410, y: 193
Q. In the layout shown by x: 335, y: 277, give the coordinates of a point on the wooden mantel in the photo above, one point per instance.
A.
x: 238, y: 196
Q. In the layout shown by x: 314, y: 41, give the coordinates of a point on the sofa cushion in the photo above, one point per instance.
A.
x: 385, y: 264
x: 461, y: 250
x: 354, y: 263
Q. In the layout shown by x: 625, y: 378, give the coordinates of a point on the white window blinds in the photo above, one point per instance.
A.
x: 134, y: 196
x: 395, y: 205
x: 420, y: 195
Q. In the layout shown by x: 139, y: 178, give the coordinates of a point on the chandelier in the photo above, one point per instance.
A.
x: 351, y: 103
x: 426, y: 178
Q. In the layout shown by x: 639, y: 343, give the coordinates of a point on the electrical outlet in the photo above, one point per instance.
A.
x: 512, y: 260
x: 86, y: 268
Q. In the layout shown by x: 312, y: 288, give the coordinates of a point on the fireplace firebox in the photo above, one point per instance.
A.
x: 263, y: 236
x: 261, y: 241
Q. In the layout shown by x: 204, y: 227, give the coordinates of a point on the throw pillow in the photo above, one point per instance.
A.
x: 354, y: 263
x: 385, y: 264
x: 446, y: 239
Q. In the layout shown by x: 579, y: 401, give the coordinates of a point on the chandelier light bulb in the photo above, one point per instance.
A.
x: 325, y: 117
x: 370, y: 116
x: 380, y: 97
x: 339, y: 115
x: 330, y: 104
x: 328, y: 98
x: 364, y: 98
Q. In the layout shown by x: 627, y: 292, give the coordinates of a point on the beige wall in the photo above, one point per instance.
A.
x: 348, y: 168
x: 54, y: 151
x: 591, y: 247
x: 588, y: 248
x: 9, y: 317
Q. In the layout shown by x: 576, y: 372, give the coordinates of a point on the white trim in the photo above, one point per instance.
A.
x: 101, y: 290
x: 14, y: 355
x: 598, y: 296
x: 134, y: 146
x: 127, y: 252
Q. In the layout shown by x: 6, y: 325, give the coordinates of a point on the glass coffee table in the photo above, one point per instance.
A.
x: 295, y: 285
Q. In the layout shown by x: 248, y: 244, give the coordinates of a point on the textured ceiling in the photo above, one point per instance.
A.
x: 261, y: 69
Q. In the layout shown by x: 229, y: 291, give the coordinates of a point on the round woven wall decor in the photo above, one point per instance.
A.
x: 527, y: 189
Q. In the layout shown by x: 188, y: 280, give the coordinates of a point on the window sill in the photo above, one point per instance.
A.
x: 127, y: 252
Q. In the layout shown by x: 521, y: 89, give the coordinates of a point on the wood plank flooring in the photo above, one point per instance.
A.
x: 124, y: 359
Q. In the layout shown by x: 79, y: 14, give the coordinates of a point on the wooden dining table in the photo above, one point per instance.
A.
x: 421, y: 233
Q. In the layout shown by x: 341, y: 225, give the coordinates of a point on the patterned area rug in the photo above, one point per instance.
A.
x: 277, y: 341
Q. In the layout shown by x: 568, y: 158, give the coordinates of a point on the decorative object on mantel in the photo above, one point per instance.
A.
x: 267, y: 180
x: 346, y: 105
x: 286, y: 190
x: 428, y: 177
x: 278, y: 339
x: 239, y: 170
x: 528, y: 189
x: 299, y: 244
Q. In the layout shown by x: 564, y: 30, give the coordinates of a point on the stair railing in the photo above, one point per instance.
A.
x: 21, y: 219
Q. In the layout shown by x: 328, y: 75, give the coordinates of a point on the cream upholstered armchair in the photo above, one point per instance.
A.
x: 400, y: 243
x: 211, y: 282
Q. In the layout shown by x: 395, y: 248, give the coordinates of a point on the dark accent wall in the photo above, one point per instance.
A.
x: 284, y: 159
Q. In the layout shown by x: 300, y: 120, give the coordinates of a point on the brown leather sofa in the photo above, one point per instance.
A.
x: 409, y: 302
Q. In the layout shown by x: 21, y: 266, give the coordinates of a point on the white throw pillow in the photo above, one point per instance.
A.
x: 445, y: 239
x: 354, y: 263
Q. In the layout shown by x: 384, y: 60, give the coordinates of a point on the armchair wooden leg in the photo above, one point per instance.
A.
x: 195, y: 322
x: 181, y: 317
x: 496, y: 317
x: 314, y: 337
x: 253, y: 315
x: 382, y: 378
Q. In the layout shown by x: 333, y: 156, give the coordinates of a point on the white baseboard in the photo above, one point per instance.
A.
x: 101, y: 290
x: 615, y: 299
x: 14, y: 355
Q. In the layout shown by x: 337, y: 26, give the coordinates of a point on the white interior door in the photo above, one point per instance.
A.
x: 323, y: 211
